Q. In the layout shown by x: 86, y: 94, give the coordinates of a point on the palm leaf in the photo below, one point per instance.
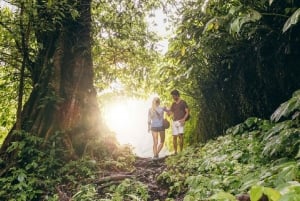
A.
x: 249, y: 16
x: 294, y: 19
x: 287, y: 108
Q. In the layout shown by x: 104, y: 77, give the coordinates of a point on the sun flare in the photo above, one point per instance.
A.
x: 116, y: 118
x: 128, y: 119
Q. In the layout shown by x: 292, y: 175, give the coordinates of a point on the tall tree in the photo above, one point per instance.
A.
x: 63, y: 98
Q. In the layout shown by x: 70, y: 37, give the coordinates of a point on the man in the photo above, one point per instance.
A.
x: 179, y: 110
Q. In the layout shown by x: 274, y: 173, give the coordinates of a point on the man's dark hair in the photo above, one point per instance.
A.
x: 175, y: 92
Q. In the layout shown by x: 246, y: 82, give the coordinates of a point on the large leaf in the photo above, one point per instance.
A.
x: 287, y: 108
x: 290, y: 191
x: 250, y: 16
x: 223, y: 196
x: 290, y: 197
x: 210, y: 24
x: 257, y: 191
x: 281, y: 140
x: 294, y: 19
x: 272, y: 194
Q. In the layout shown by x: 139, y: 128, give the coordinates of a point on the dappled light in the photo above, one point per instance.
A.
x: 128, y: 119
x: 78, y: 78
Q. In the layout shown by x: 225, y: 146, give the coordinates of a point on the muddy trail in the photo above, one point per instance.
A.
x: 146, y: 171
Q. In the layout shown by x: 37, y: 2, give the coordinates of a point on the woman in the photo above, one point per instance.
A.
x: 155, y: 124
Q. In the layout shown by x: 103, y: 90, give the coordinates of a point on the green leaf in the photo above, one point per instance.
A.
x: 288, y: 172
x: 74, y: 13
x: 294, y: 19
x: 289, y: 187
x: 223, y: 196
x: 249, y: 16
x: 272, y: 194
x: 251, y: 121
x: 49, y: 3
x: 21, y: 177
x: 256, y: 192
x: 189, y: 198
x: 290, y: 197
x: 183, y: 49
x: 287, y: 108
x: 235, y: 26
x: 209, y: 25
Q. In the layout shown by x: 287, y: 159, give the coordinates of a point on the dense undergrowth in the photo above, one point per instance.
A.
x: 253, y: 158
x: 43, y: 174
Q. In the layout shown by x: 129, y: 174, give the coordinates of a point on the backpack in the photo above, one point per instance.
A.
x: 166, y: 124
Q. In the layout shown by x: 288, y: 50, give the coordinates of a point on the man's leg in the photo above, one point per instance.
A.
x: 180, y: 136
x: 175, y: 143
x: 175, y: 127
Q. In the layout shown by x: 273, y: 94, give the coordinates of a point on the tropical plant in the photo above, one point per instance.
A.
x: 221, y: 51
x: 255, y: 157
x: 288, y: 109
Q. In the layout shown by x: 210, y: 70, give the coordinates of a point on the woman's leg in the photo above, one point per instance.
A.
x: 162, y: 141
x: 155, y: 141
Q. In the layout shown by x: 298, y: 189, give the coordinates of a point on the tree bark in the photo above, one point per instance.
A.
x: 63, y: 98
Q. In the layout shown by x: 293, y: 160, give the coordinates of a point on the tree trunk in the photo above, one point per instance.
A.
x: 63, y: 98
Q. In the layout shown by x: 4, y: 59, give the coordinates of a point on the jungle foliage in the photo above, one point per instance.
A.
x: 46, y: 55
x: 236, y: 58
x: 41, y: 174
x: 253, y: 158
x: 122, y: 47
x: 230, y: 59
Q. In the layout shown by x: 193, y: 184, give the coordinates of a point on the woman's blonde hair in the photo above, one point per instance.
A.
x: 155, y: 104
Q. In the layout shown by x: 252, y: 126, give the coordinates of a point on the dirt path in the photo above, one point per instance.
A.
x: 146, y: 172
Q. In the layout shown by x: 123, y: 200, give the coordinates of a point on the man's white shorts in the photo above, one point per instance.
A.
x: 177, y: 128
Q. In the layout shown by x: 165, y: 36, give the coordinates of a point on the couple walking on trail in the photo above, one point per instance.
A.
x: 179, y: 112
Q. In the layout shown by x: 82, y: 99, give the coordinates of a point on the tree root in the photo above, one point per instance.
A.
x: 112, y: 178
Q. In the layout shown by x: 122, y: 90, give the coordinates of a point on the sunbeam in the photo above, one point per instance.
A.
x: 128, y: 119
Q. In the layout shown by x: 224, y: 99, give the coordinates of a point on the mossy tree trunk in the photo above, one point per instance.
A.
x: 63, y: 98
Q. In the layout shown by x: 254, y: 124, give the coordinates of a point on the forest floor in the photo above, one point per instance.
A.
x: 146, y: 172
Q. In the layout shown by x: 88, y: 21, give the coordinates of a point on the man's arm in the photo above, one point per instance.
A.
x: 186, y: 113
